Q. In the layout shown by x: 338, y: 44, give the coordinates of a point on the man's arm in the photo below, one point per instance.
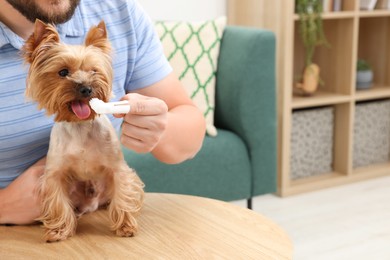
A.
x: 163, y: 120
x: 19, y: 202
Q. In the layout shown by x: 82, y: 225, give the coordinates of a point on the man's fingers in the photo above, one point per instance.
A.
x: 137, y: 139
x: 118, y: 115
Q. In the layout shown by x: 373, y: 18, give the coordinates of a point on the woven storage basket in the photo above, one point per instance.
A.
x: 312, y: 142
x: 371, y: 141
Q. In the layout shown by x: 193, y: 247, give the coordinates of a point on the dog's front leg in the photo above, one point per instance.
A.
x: 126, y: 203
x: 57, y: 213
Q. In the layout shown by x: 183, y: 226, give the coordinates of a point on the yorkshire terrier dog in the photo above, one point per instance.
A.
x: 85, y: 167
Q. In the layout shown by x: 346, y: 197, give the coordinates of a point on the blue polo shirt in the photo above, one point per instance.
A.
x: 138, y: 61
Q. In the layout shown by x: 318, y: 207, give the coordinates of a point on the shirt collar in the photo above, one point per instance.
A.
x: 73, y: 28
x: 9, y: 37
x: 3, y: 40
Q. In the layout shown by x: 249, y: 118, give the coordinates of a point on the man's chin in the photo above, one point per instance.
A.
x: 57, y: 13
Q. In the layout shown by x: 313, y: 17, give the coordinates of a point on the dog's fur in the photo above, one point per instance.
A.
x: 85, y: 168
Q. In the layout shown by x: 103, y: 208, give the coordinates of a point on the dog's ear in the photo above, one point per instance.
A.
x: 43, y: 37
x: 97, y: 36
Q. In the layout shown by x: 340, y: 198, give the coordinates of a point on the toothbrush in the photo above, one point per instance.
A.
x: 101, y: 107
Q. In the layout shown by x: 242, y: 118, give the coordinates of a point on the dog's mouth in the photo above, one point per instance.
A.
x: 81, y: 109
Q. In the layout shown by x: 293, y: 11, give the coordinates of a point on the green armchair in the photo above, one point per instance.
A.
x: 240, y: 162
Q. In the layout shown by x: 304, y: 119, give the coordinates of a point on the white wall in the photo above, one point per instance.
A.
x: 189, y: 10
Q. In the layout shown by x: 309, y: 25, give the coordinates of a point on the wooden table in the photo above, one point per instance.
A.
x: 171, y: 227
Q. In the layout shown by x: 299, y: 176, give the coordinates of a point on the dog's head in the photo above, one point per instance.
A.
x: 63, y: 78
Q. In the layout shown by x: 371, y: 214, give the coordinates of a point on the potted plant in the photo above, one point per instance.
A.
x: 312, y: 35
x: 364, y: 74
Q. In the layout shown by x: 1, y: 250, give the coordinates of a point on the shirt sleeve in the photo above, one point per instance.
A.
x: 150, y: 65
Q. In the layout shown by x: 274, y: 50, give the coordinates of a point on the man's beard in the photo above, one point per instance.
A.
x: 32, y: 11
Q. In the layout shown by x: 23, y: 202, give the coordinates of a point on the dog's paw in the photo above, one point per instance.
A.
x: 126, y: 230
x: 56, y: 235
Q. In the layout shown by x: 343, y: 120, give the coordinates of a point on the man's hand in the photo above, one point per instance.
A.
x: 19, y: 202
x: 163, y: 120
x: 145, y: 124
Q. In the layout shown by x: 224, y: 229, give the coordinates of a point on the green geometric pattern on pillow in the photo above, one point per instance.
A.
x: 192, y: 49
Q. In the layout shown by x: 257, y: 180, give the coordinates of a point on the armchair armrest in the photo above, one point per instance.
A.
x: 246, y: 99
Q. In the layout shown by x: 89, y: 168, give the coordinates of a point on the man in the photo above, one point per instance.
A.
x: 163, y: 121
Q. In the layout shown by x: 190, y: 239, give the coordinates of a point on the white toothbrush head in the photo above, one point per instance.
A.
x: 97, y: 105
x: 100, y: 107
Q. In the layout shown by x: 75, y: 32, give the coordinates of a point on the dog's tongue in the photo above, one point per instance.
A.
x: 81, y: 109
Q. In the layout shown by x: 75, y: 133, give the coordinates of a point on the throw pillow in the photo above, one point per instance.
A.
x: 192, y: 49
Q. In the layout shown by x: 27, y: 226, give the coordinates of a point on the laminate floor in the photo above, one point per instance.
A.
x: 345, y: 222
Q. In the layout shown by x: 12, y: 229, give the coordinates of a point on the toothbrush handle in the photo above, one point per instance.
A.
x: 119, y: 103
x: 122, y: 109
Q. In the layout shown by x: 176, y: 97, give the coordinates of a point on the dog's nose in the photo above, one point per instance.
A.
x: 85, y: 91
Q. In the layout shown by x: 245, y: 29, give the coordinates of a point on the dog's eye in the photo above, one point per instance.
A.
x: 63, y: 73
